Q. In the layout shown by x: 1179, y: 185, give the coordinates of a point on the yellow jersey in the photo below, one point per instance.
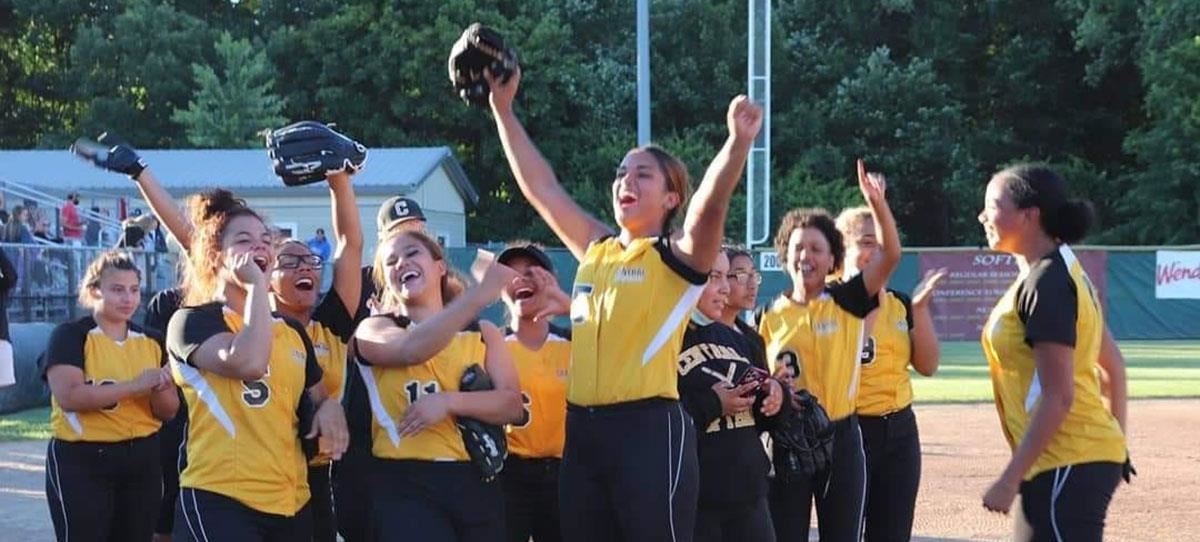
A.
x: 1053, y: 302
x: 543, y: 376
x: 330, y: 330
x: 884, y: 385
x: 243, y: 436
x: 81, y: 343
x: 391, y: 390
x: 630, y: 306
x: 821, y: 342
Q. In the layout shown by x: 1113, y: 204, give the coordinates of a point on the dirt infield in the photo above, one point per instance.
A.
x: 963, y: 450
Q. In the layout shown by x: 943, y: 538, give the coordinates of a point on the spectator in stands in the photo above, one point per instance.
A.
x: 3, y: 210
x: 320, y: 245
x: 17, y: 230
x: 41, y: 230
x: 72, y: 224
x: 91, y: 234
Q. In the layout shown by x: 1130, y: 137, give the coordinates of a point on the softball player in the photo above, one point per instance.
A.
x: 109, y: 395
x: 730, y: 413
x: 170, y: 438
x: 631, y: 298
x: 901, y: 334
x: 1044, y: 342
x: 294, y: 284
x: 412, y: 357
x: 815, y: 334
x: 251, y: 380
x: 541, y: 353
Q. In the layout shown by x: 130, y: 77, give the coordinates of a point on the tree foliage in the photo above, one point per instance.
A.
x: 938, y: 95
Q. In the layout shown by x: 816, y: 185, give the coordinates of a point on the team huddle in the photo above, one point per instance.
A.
x: 249, y: 407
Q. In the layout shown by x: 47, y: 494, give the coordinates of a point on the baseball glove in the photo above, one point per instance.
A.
x: 307, y: 152
x: 477, y: 49
x: 110, y: 152
x: 803, y: 441
x: 485, y: 442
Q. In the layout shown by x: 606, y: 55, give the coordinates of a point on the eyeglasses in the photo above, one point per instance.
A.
x: 715, y: 275
x: 743, y: 278
x: 292, y: 261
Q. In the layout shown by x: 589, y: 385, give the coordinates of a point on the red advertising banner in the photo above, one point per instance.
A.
x: 977, y: 279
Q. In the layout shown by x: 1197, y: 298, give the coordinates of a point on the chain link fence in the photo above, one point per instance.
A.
x: 48, y: 276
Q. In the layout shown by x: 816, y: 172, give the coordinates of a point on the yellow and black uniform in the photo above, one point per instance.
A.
x: 102, y: 472
x: 626, y: 430
x: 822, y: 341
x: 423, y: 486
x: 245, y: 476
x: 889, y: 427
x: 330, y: 329
x: 1066, y: 493
x: 733, y: 463
x: 158, y: 314
x: 535, y: 447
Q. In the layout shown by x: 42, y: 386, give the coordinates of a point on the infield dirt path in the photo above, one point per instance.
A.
x: 963, y: 452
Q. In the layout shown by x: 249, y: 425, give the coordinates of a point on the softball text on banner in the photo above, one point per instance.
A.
x: 1177, y: 275
x: 976, y: 279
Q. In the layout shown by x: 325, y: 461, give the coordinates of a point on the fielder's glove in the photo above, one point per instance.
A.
x: 477, y: 49
x: 803, y: 441
x: 307, y: 152
x: 1127, y: 470
x: 110, y: 152
x: 486, y: 443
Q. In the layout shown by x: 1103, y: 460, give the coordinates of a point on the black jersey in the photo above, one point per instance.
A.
x: 733, y: 462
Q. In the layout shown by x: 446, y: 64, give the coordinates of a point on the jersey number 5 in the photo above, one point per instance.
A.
x: 256, y: 393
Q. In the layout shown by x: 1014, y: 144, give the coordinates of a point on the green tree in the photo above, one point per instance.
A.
x: 133, y: 70
x: 231, y: 109
x: 1163, y: 200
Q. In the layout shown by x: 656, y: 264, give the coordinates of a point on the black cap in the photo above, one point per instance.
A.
x: 529, y: 251
x: 398, y: 210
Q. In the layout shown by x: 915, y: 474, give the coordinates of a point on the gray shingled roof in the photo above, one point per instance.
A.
x: 245, y: 171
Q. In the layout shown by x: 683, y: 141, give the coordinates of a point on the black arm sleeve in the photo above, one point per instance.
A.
x: 907, y: 302
x: 333, y: 314
x: 190, y: 327
x: 663, y: 246
x: 1047, y: 304
x: 700, y: 401
x: 312, y: 369
x: 160, y: 309
x: 852, y: 296
x: 65, y: 346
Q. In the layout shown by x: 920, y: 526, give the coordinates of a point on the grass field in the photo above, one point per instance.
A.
x: 1155, y: 369
x: 32, y: 424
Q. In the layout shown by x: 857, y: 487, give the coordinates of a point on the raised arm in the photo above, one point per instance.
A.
x: 387, y: 345
x: 874, y: 190
x: 164, y: 208
x: 704, y: 224
x: 575, y: 227
x: 925, y: 348
x: 347, y: 231
x: 243, y: 355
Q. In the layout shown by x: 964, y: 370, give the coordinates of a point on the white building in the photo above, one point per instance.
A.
x: 431, y: 176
